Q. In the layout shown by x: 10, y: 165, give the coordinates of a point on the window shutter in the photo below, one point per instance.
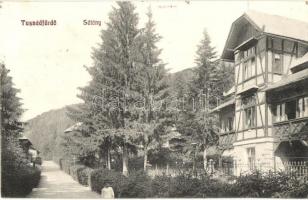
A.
x: 306, y: 107
x: 283, y: 112
x: 278, y: 114
x: 299, y: 112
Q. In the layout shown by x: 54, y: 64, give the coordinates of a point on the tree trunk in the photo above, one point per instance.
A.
x: 125, y: 161
x: 145, y: 160
x: 204, y: 159
x: 108, y: 159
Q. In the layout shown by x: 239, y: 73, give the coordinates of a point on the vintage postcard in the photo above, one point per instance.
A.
x: 154, y: 99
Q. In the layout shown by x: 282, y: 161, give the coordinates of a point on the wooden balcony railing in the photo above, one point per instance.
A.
x: 226, y: 140
x: 294, y: 129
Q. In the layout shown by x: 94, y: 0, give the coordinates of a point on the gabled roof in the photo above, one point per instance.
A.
x: 75, y: 127
x: 266, y: 24
x: 278, y: 25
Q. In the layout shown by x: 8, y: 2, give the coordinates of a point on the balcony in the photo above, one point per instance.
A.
x: 226, y: 140
x: 295, y: 129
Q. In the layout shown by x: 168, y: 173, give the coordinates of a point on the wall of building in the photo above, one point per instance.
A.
x: 264, y: 155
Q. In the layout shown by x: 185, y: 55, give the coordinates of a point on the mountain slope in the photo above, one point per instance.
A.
x: 44, y: 129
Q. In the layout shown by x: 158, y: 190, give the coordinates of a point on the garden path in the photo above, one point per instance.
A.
x: 55, y: 183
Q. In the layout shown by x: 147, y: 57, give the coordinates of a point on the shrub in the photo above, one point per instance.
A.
x: 19, y: 181
x: 184, y: 186
x: 99, y: 177
x: 294, y: 188
x: 212, y: 188
x: 83, y: 175
x: 160, y: 186
x: 138, y: 185
x: 135, y: 163
x: 18, y: 176
x: 65, y: 165
x: 75, y: 171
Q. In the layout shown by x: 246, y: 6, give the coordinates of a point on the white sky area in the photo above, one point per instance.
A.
x: 46, y: 63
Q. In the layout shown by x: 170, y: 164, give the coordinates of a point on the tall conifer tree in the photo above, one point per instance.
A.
x: 108, y: 98
x: 154, y: 86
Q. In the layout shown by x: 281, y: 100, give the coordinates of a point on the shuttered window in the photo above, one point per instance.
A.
x: 302, y: 107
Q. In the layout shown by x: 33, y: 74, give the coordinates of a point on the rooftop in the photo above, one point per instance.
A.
x: 265, y: 24
x: 279, y: 25
x: 73, y: 128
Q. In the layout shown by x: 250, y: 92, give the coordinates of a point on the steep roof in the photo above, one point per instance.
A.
x: 278, y: 25
x: 266, y: 24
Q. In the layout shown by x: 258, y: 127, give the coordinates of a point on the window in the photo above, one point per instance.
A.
x: 251, y: 153
x: 249, y: 111
x: 249, y: 67
x: 280, y: 114
x: 250, y: 117
x: 290, y: 110
x: 230, y: 123
x: 302, y: 107
x: 277, y: 63
x: 247, y: 70
x: 227, y: 124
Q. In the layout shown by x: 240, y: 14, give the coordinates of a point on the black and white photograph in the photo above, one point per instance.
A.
x: 154, y: 99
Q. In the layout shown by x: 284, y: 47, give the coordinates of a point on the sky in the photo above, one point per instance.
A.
x: 47, y: 63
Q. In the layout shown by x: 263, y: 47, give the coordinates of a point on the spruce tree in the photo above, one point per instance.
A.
x: 106, y: 112
x: 154, y: 89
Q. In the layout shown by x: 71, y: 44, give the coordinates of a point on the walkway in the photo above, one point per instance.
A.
x: 57, y: 184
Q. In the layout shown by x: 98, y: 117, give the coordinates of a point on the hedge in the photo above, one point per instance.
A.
x: 99, y: 177
x: 79, y: 172
x: 65, y: 165
x: 139, y: 185
x: 19, y: 182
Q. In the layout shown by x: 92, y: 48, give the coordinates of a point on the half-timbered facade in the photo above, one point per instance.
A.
x: 264, y: 120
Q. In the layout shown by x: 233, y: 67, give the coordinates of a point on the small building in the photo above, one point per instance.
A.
x: 264, y: 118
x: 28, y: 148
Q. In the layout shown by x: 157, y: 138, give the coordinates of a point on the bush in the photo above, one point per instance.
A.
x: 138, y: 185
x: 18, y: 176
x: 74, y: 170
x: 99, y: 177
x: 135, y: 163
x: 18, y: 182
x: 65, y: 165
x: 84, y: 175
x: 184, y: 186
x: 294, y: 188
x: 160, y: 186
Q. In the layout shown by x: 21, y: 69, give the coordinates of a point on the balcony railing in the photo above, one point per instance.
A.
x: 294, y: 129
x: 226, y: 140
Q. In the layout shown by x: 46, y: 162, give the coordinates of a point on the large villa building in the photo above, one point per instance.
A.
x: 264, y: 118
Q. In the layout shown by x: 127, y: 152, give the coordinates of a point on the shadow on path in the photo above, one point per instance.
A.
x: 55, y: 183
